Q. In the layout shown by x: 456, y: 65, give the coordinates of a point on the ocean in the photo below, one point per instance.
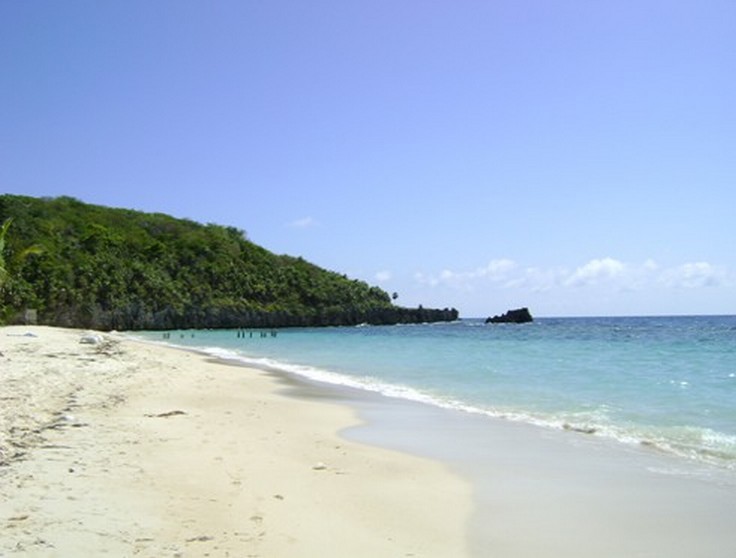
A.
x: 663, y: 382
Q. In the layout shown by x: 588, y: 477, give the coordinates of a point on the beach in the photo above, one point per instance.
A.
x: 110, y: 446
x: 113, y: 445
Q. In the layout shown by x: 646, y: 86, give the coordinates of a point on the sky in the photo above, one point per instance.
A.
x: 577, y: 157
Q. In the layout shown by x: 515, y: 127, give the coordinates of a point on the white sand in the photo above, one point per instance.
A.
x: 126, y: 449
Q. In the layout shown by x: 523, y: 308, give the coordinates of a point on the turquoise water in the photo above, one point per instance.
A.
x: 668, y: 382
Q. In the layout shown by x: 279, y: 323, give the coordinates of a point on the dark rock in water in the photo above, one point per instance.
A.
x: 518, y: 316
x: 581, y: 429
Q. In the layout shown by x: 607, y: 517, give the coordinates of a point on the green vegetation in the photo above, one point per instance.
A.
x: 104, y: 268
x: 15, y: 262
x: 3, y: 266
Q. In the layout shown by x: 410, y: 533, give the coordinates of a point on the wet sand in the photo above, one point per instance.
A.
x: 543, y: 493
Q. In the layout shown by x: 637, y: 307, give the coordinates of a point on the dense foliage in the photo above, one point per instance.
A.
x: 105, y: 268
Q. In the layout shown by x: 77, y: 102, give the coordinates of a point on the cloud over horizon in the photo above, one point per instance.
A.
x: 594, y: 271
x: 609, y: 272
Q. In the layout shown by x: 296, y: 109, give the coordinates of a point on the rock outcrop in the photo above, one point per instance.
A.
x: 518, y: 316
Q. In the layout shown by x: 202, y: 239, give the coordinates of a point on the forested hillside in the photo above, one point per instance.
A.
x: 105, y: 268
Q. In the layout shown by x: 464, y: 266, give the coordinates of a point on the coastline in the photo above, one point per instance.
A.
x: 543, y: 493
x: 125, y: 447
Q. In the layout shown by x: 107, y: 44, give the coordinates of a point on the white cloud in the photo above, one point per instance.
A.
x: 496, y: 271
x: 651, y: 265
x: 694, y: 275
x: 595, y: 271
x: 383, y: 276
x: 609, y: 273
x: 539, y: 280
x: 424, y: 279
x: 303, y: 223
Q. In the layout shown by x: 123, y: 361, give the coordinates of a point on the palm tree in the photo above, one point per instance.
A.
x: 3, y: 266
x: 19, y: 257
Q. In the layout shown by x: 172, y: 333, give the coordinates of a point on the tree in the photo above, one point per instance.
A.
x: 17, y: 259
x: 4, y: 273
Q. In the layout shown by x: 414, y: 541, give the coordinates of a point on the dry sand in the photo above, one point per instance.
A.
x: 122, y: 448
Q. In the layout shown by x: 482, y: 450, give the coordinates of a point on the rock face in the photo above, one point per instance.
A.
x: 518, y: 316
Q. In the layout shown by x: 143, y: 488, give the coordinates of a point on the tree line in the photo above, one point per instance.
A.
x: 89, y: 266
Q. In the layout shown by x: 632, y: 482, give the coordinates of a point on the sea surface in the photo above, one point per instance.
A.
x: 664, y: 382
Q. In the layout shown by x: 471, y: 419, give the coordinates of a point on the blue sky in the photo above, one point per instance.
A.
x: 577, y: 157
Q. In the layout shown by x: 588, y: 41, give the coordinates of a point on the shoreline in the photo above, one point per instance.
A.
x: 542, y: 492
x: 545, y: 493
x: 125, y: 447
x: 681, y: 427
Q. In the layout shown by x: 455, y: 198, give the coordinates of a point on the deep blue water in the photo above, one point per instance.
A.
x: 669, y: 382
